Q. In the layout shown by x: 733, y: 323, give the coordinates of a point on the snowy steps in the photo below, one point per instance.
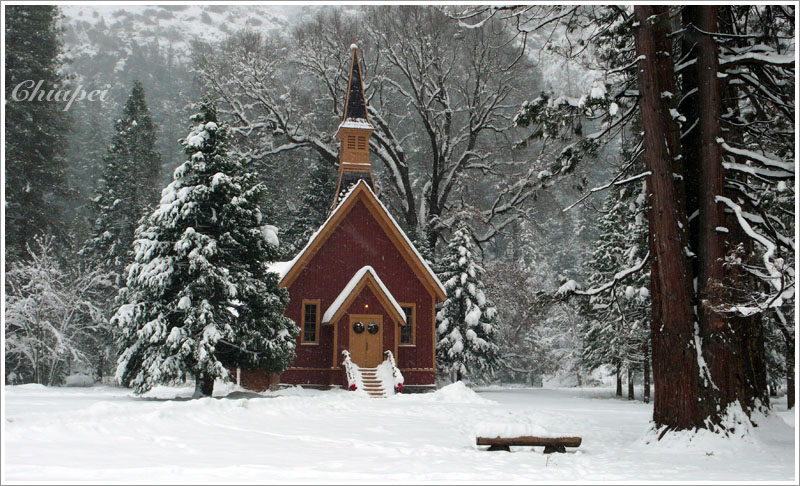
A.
x: 372, y: 384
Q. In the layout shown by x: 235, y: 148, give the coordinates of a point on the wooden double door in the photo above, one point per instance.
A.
x: 366, y: 339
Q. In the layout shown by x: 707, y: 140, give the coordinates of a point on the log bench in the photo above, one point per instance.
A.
x: 551, y: 444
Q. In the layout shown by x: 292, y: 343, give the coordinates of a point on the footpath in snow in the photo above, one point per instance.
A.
x: 106, y: 434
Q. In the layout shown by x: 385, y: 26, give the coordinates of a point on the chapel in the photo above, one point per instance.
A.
x: 362, y: 295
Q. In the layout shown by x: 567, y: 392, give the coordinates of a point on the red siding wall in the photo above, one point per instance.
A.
x: 358, y: 241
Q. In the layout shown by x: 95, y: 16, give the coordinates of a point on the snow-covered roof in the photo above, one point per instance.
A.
x: 286, y: 267
x: 280, y: 268
x: 356, y: 123
x: 351, y: 286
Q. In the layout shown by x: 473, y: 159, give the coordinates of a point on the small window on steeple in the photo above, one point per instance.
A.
x: 351, y: 142
x: 362, y: 143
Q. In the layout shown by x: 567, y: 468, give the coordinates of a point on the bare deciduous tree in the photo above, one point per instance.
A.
x: 438, y: 107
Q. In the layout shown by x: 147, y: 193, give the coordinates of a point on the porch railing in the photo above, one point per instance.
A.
x: 352, y: 372
x: 388, y: 356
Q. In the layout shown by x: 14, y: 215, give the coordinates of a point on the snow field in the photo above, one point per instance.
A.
x: 106, y: 434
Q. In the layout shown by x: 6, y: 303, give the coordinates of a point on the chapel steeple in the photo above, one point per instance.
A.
x: 354, y: 133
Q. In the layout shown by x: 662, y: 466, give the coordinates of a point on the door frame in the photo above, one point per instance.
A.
x: 365, y: 318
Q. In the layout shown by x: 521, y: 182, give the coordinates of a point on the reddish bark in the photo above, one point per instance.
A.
x: 719, y: 339
x: 675, y: 364
x: 730, y: 343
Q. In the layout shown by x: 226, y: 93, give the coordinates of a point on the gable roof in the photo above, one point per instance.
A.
x: 362, y: 192
x: 365, y: 277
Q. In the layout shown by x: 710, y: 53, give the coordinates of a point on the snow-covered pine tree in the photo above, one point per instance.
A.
x: 419, y: 238
x: 313, y: 209
x: 129, y: 187
x: 198, y: 296
x: 467, y: 320
x: 617, y: 330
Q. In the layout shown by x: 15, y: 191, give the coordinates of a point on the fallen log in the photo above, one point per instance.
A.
x: 550, y: 444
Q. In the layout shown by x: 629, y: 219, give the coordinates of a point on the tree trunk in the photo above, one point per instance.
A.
x: 203, y: 386
x: 790, y: 375
x: 619, y: 380
x: 630, y: 384
x: 646, y: 377
x: 721, y: 340
x: 789, y: 361
x: 458, y: 375
x: 675, y: 360
x: 101, y: 362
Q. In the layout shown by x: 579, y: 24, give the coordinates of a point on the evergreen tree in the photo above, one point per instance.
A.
x: 314, y: 208
x: 419, y: 238
x: 198, y: 295
x: 467, y: 320
x: 36, y: 180
x: 617, y: 330
x: 129, y: 186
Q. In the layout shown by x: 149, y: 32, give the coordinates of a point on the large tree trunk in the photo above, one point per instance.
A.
x: 719, y: 338
x: 203, y: 386
x: 619, y: 379
x: 675, y: 360
x: 730, y: 343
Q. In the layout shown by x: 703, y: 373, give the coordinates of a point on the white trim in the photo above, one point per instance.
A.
x: 351, y: 285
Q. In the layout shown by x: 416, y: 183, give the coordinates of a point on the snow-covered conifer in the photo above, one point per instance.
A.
x: 129, y: 185
x: 199, y: 297
x: 617, y: 331
x: 314, y: 208
x: 466, y: 323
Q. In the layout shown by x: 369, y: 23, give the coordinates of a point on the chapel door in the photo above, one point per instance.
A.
x: 366, y: 340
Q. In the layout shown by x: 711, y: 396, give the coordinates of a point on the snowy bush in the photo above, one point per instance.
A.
x: 52, y: 317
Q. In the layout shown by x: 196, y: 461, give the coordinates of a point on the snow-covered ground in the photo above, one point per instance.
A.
x: 104, y: 433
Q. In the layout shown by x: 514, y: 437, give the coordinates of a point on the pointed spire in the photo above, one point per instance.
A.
x: 355, y: 107
x: 354, y: 133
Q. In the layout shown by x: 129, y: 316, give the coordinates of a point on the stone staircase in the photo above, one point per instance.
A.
x: 372, y: 384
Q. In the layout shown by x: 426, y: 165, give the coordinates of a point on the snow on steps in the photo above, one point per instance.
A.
x: 374, y: 385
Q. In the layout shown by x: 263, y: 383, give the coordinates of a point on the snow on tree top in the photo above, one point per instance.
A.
x: 196, y: 141
x: 353, y: 46
x: 351, y: 285
x: 270, y: 234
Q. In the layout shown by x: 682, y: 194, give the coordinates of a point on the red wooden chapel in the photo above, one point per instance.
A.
x: 359, y: 285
